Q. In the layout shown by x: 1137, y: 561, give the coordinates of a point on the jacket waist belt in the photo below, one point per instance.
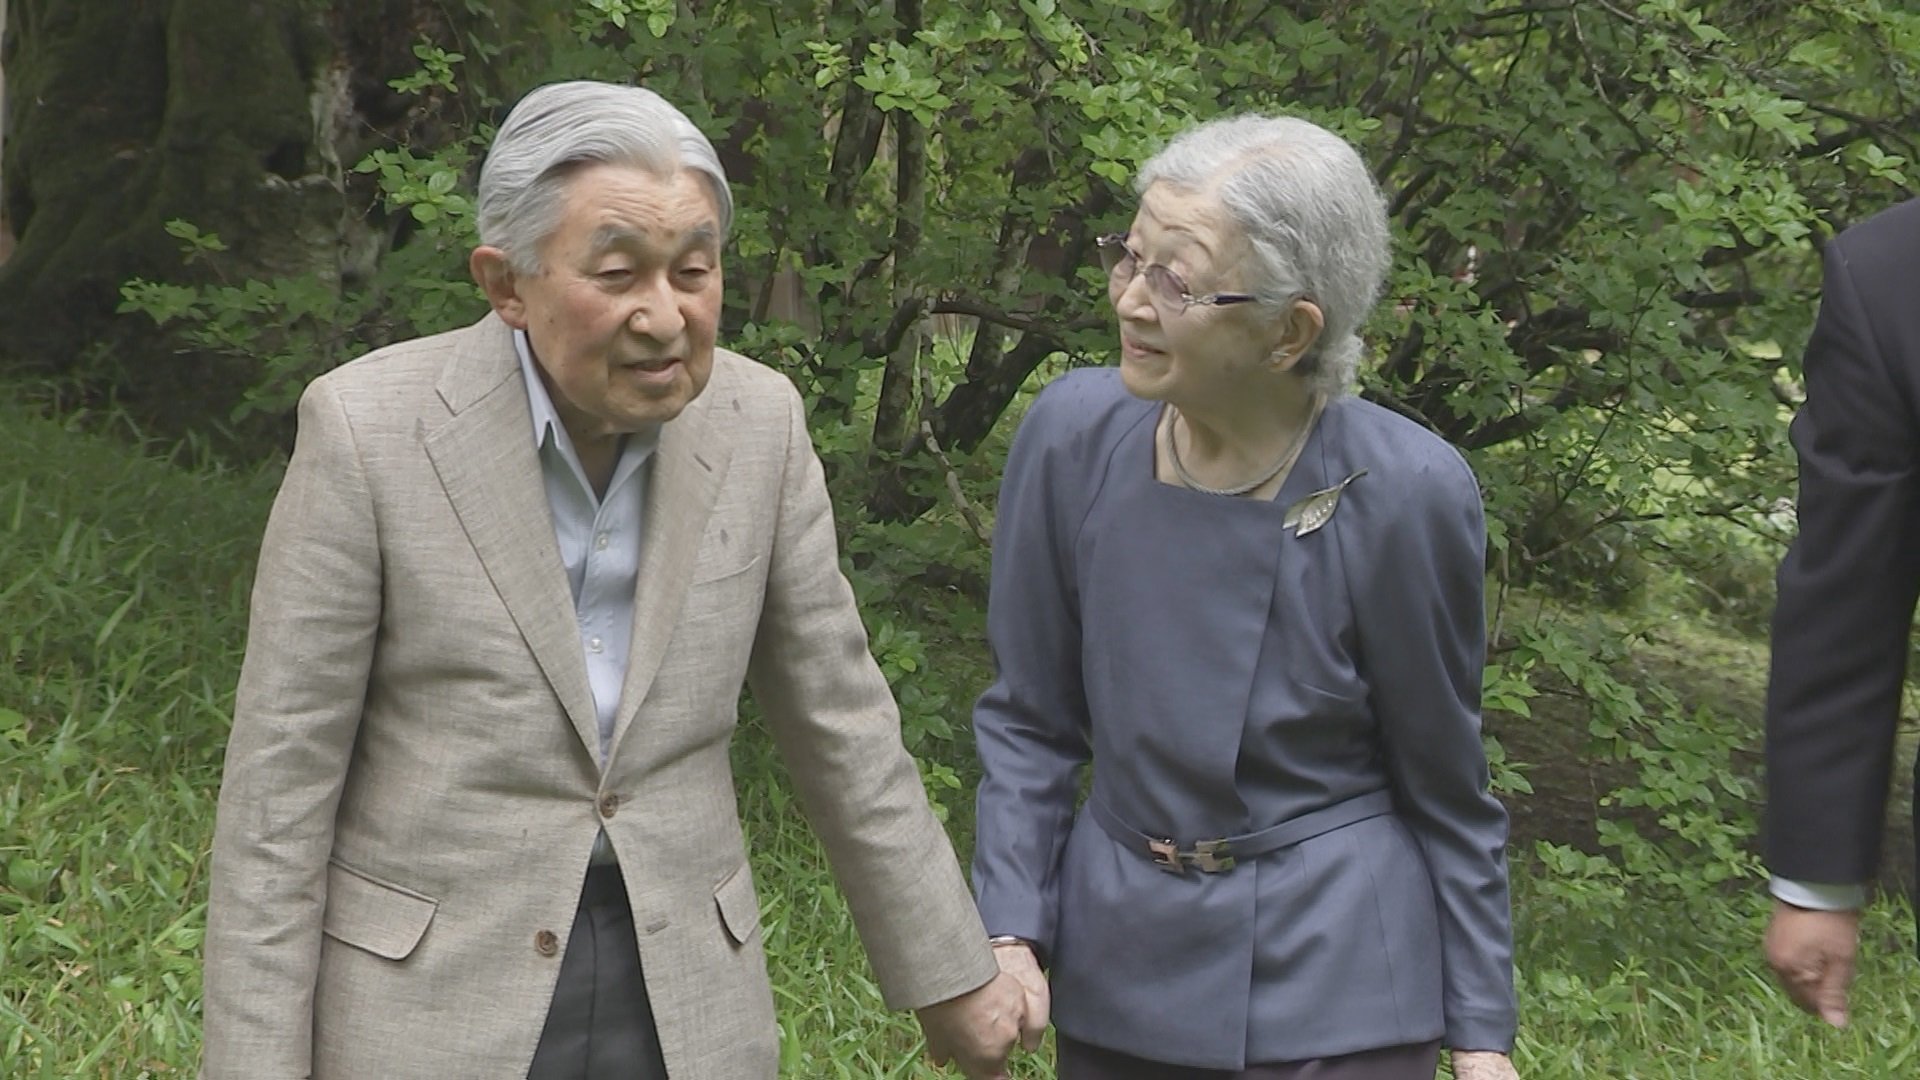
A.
x: 1219, y: 855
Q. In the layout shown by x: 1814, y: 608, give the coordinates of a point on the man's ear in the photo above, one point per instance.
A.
x: 1299, y: 329
x: 495, y: 276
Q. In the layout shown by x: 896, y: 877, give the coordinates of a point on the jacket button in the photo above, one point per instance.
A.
x: 609, y: 804
x: 546, y: 943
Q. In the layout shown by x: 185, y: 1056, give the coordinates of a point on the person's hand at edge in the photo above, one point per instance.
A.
x: 976, y: 1030
x: 1018, y: 961
x: 1813, y: 953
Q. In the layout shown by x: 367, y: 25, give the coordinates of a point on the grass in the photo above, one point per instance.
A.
x: 122, y: 583
x: 122, y: 596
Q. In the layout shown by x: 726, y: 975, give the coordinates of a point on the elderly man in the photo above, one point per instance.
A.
x: 1846, y: 600
x: 478, y: 819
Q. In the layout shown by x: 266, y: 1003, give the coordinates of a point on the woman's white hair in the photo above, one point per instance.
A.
x: 1312, y: 212
x: 557, y: 128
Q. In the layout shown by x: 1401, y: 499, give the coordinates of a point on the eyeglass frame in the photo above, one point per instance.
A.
x: 1177, y: 284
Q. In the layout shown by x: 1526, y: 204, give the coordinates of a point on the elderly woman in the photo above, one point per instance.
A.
x: 1253, y: 602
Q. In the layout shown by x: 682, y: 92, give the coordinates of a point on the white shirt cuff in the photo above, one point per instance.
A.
x: 1819, y: 897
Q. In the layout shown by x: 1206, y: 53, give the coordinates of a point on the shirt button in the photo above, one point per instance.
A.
x: 600, y: 542
x: 595, y: 645
x: 609, y: 803
x: 546, y: 943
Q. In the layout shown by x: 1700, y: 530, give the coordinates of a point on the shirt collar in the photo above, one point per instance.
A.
x: 639, y: 445
x: 545, y: 419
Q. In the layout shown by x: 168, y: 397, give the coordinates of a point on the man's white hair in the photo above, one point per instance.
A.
x: 561, y: 126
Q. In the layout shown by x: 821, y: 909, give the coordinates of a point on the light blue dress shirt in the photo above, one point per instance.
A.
x: 599, y: 539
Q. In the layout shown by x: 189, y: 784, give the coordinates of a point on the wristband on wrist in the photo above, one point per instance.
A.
x: 998, y: 941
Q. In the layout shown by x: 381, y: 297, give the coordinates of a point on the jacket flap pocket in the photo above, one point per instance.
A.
x: 739, y: 909
x: 704, y: 574
x: 378, y: 916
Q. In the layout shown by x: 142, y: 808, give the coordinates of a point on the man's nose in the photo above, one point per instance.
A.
x: 656, y: 311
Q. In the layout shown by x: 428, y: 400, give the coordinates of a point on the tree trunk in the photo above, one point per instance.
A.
x: 182, y: 129
x: 243, y: 117
x: 6, y: 230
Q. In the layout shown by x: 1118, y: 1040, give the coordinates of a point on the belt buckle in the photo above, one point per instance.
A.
x: 1210, y: 856
x: 1166, y: 855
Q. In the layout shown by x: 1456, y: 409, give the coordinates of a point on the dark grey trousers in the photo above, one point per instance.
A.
x: 1080, y: 1061
x: 600, y: 1025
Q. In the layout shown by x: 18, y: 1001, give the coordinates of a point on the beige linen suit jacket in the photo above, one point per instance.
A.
x: 411, y: 791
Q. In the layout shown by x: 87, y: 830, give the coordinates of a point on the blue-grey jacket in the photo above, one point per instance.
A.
x: 1224, y: 674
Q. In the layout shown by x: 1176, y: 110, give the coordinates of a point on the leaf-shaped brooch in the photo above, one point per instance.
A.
x: 1317, y: 509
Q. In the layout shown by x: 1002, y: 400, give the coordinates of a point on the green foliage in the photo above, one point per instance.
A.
x: 912, y: 583
x: 1604, y: 217
x: 1723, y: 568
x: 1597, y: 209
x: 1678, y: 825
x: 286, y: 326
x: 124, y: 582
x: 436, y: 70
x: 288, y: 330
x: 657, y: 16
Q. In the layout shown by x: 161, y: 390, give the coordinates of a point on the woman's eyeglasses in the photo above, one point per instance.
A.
x: 1163, y: 285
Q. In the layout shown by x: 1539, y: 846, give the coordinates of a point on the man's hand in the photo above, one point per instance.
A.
x: 1017, y: 960
x: 1482, y: 1065
x: 976, y: 1030
x: 1812, y: 953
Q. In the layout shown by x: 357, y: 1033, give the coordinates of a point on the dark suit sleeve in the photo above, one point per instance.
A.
x: 1031, y: 725
x: 1419, y: 607
x: 1846, y: 588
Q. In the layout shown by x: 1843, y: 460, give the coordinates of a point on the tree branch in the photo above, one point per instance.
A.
x: 947, y: 471
x: 979, y: 309
x: 883, y: 343
x: 1715, y: 301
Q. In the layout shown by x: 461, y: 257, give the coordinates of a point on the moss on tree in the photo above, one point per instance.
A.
x: 240, y: 116
x: 127, y: 116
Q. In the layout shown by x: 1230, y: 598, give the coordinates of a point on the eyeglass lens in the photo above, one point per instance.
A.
x: 1121, y: 264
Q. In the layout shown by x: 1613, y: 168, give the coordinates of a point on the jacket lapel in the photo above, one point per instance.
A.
x: 487, y: 463
x: 688, y: 464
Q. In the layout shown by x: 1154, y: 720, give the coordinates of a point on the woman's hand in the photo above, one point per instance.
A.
x: 1482, y: 1065
x: 1017, y: 960
x: 976, y: 1030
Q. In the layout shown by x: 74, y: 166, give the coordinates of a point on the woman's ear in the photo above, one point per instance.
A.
x: 1299, y: 329
x: 494, y: 274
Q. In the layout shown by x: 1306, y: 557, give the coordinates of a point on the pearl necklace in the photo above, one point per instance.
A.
x: 1280, y: 466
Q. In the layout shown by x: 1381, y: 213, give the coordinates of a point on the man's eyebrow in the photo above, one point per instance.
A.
x: 611, y: 236
x: 607, y: 237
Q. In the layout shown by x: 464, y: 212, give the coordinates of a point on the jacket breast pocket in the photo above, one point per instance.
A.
x: 739, y: 907
x: 385, y: 919
x: 726, y: 590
